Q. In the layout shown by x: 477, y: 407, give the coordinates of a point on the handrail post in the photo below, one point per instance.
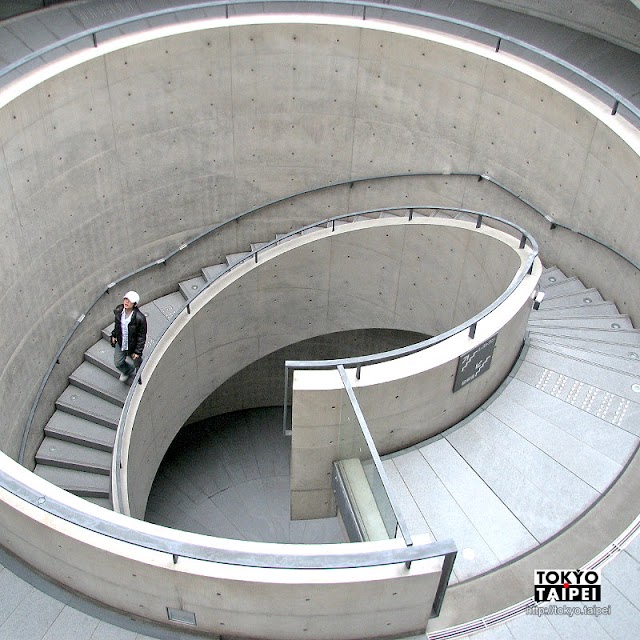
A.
x: 616, y: 104
x: 410, y: 214
x: 498, y: 44
x: 285, y: 412
x: 472, y: 330
x: 445, y: 576
x: 479, y: 221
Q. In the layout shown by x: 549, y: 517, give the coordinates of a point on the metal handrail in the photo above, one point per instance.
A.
x: 500, y: 36
x: 210, y: 550
x: 375, y: 456
x: 119, y: 500
x: 376, y: 358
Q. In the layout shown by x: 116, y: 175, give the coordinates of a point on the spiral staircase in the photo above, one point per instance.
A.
x: 535, y: 458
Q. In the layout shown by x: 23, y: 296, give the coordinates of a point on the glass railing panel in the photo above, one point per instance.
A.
x: 356, y: 443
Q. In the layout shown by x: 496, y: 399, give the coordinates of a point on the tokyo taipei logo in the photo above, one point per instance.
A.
x: 557, y: 585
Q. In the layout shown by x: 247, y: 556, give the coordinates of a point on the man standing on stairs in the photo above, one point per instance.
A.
x: 128, y: 336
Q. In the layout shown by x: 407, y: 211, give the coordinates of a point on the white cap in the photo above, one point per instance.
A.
x: 132, y: 296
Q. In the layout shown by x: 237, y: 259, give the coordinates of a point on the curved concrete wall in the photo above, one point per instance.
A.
x: 213, y: 596
x: 106, y: 165
x: 428, y: 275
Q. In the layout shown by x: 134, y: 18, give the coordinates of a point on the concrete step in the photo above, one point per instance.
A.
x: 101, y: 355
x: 285, y: 236
x: 592, y: 467
x: 614, y: 323
x: 467, y: 217
x: 69, y: 455
x: 192, y: 287
x: 571, y: 413
x: 212, y: 272
x: 621, y: 350
x: 400, y: 213
x: 628, y: 337
x: 587, y: 296
x: 543, y: 494
x: 100, y: 383
x: 365, y: 217
x: 598, y: 309
x: 80, y: 483
x: 83, y: 404
x: 454, y: 498
x: 256, y: 246
x: 235, y: 258
x: 169, y: 306
x: 551, y: 275
x: 562, y: 287
x: 65, y: 426
x: 615, y: 363
x: 541, y: 362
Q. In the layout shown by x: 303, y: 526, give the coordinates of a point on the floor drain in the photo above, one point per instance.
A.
x: 635, y: 388
x: 588, y: 300
x: 615, y: 325
x: 552, y: 279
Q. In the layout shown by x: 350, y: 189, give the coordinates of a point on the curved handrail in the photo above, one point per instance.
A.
x: 241, y: 553
x: 376, y: 358
x: 618, y: 98
x: 119, y: 497
x: 212, y: 229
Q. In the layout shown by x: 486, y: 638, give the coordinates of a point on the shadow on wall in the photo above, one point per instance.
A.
x: 261, y: 384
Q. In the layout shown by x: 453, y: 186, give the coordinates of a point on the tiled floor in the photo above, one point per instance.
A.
x: 229, y: 477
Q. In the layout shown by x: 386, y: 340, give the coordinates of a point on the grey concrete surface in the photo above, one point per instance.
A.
x: 45, y: 338
x: 68, y: 134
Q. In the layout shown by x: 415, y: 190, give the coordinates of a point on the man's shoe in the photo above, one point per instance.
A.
x: 124, y: 377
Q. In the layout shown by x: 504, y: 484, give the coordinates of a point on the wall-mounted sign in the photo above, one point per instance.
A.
x: 474, y: 363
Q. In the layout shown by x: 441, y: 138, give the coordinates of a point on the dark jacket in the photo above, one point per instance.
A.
x: 137, y: 330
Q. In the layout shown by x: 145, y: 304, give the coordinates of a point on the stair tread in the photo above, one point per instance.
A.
x: 621, y: 364
x: 70, y: 455
x: 213, y: 271
x: 80, y: 402
x: 101, y: 355
x: 608, y: 323
x: 576, y: 368
x: 66, y: 426
x: 622, y: 350
x: 562, y: 287
x: 81, y: 483
x: 630, y: 337
x: 169, y: 305
x: 95, y: 380
x: 579, y: 298
x: 550, y: 275
x: 235, y: 258
x: 599, y: 309
x: 192, y: 287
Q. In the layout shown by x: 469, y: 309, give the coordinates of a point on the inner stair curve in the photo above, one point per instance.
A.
x: 544, y: 448
x: 76, y: 451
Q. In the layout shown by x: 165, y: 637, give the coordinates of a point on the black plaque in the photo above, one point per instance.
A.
x: 474, y: 363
